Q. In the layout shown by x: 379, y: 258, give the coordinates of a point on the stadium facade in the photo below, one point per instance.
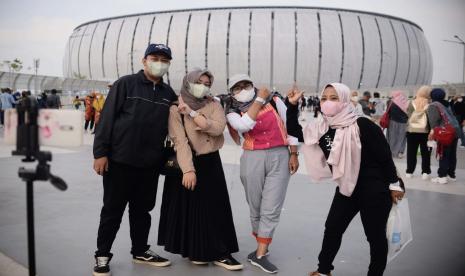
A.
x: 276, y: 46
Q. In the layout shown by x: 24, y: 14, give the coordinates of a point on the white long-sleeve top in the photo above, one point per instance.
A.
x: 244, y: 123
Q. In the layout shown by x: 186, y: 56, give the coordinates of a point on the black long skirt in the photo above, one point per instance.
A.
x: 198, y: 224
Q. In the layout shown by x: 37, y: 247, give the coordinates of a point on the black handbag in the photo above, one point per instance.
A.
x: 170, y: 165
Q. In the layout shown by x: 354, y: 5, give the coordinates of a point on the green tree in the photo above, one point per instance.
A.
x: 15, y: 65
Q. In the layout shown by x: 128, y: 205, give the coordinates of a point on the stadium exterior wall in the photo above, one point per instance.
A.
x: 276, y: 46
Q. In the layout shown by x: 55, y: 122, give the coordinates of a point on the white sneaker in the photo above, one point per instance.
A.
x: 424, y: 176
x: 408, y: 175
x: 199, y: 263
x: 439, y: 180
x: 453, y: 179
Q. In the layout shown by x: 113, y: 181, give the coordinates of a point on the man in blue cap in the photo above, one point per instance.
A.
x: 127, y: 151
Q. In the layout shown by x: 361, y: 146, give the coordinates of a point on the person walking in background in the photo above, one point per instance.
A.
x: 354, y: 99
x: 53, y: 100
x: 89, y: 114
x: 196, y: 218
x: 351, y: 150
x: 127, y: 153
x: 367, y: 106
x: 317, y: 107
x: 7, y: 101
x: 77, y: 102
x: 17, y: 96
x: 379, y: 107
x: 303, y: 103
x: 397, y: 130
x: 97, y: 104
x: 267, y: 162
x: 438, y: 112
x: 42, y: 99
x: 459, y: 111
x: 417, y: 133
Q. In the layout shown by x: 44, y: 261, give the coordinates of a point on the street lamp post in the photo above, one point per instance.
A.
x: 36, y: 68
x: 461, y: 42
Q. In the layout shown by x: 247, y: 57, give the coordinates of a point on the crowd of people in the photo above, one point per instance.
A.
x: 411, y: 127
x: 92, y: 104
x: 9, y: 99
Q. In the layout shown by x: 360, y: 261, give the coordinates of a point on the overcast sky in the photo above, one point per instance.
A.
x: 40, y: 28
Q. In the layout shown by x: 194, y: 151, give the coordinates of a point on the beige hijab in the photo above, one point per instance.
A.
x: 422, y: 97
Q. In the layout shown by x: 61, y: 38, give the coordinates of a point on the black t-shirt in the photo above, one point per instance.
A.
x: 376, y: 164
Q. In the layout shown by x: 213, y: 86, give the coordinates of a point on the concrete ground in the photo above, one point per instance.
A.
x: 66, y: 224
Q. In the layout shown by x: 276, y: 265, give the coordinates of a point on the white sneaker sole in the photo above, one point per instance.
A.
x: 101, y: 274
x: 262, y: 268
x: 160, y: 264
x: 229, y: 267
x: 199, y: 263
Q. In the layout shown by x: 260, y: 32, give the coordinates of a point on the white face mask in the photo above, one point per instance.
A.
x: 199, y: 90
x: 459, y: 100
x: 355, y: 98
x: 245, y: 95
x: 158, y: 68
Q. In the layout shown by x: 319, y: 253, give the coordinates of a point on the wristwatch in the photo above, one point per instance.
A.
x: 260, y: 100
x: 193, y: 113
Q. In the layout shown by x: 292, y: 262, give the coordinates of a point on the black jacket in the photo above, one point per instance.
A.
x: 459, y: 111
x: 397, y: 114
x: 134, y: 121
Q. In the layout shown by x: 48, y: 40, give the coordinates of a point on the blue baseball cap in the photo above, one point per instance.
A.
x: 160, y: 49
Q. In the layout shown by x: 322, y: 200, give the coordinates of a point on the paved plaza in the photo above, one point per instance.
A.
x: 66, y: 224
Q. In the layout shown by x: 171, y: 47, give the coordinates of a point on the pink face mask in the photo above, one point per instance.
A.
x: 331, y: 108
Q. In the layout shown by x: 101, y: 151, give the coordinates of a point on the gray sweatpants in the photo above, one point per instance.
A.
x: 265, y: 176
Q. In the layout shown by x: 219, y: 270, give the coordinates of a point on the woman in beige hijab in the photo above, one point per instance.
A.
x: 417, y: 133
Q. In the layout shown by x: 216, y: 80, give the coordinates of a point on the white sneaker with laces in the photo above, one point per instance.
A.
x: 408, y: 175
x: 424, y: 176
x: 439, y: 180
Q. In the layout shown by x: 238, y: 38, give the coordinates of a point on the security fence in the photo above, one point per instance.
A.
x: 36, y: 83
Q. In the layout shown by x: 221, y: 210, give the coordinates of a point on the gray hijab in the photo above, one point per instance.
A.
x: 193, y: 77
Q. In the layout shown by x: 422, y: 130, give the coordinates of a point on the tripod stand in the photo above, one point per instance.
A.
x: 27, y: 144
